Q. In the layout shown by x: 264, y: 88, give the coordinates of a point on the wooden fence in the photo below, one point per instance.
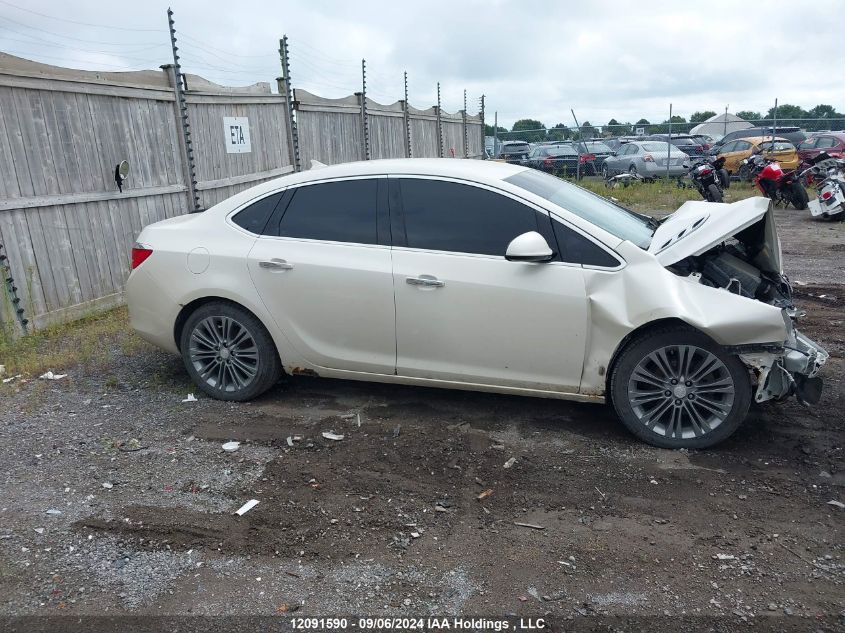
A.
x: 66, y: 229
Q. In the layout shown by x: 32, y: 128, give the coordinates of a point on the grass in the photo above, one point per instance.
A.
x: 60, y: 347
x: 660, y: 196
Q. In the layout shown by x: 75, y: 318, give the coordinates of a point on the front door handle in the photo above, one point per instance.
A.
x: 425, y: 280
x: 275, y: 264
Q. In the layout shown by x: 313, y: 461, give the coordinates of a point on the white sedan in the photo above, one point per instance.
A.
x: 484, y: 276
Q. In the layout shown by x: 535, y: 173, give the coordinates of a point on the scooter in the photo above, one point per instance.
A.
x: 709, y: 177
x: 775, y: 183
x: 828, y: 177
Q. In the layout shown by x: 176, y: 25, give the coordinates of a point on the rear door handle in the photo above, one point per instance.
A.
x: 425, y: 280
x: 275, y: 264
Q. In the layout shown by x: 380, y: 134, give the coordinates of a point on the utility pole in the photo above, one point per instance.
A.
x: 669, y: 144
x: 407, y: 116
x: 577, y: 147
x: 290, y: 124
x: 365, y: 124
x: 439, y: 124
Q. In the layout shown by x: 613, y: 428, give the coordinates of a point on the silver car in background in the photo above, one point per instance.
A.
x: 647, y: 159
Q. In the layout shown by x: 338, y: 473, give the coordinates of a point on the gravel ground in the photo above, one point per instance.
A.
x: 117, y: 498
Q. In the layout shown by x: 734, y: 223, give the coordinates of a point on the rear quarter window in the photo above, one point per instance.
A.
x: 255, y: 217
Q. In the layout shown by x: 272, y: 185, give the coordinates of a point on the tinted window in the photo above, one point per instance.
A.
x: 343, y: 211
x: 729, y: 147
x: 826, y: 141
x: 741, y: 146
x: 808, y: 144
x: 447, y: 216
x: 254, y: 217
x: 577, y: 249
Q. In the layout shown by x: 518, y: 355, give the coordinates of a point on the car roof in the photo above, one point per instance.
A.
x: 483, y: 171
x: 756, y: 140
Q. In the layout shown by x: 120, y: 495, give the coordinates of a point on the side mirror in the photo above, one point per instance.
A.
x: 121, y: 173
x: 613, y: 153
x: 529, y: 247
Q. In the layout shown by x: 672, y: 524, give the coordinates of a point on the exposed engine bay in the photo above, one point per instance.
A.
x: 748, y: 264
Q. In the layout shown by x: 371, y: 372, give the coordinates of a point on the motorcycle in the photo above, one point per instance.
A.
x: 775, y: 183
x: 709, y: 177
x: 828, y: 177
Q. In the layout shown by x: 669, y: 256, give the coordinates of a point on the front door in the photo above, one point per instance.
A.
x: 466, y: 314
x: 323, y: 270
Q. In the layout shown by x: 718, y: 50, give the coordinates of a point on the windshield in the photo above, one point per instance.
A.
x: 597, y: 147
x: 562, y: 151
x: 515, y: 149
x: 616, y: 220
x: 684, y: 141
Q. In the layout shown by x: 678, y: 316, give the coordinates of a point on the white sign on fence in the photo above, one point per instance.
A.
x: 236, y: 134
x: 640, y: 131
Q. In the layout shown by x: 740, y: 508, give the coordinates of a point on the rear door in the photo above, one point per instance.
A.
x: 323, y: 270
x: 466, y: 314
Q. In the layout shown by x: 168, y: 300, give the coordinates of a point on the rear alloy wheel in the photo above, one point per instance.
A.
x: 229, y: 353
x: 632, y: 170
x: 676, y: 388
x: 798, y: 196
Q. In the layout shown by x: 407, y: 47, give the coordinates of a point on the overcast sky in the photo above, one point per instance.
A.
x: 606, y: 59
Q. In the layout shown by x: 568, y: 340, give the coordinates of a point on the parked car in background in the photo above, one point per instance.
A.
x: 738, y: 150
x: 514, y: 282
x: 704, y: 140
x: 617, y: 142
x: 832, y: 143
x: 593, y: 153
x: 513, y: 151
x: 559, y: 160
x: 689, y: 145
x: 791, y: 133
x: 646, y: 158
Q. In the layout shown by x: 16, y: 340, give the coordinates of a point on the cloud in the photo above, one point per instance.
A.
x: 531, y: 59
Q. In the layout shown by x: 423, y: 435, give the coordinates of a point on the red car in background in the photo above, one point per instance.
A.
x: 831, y: 142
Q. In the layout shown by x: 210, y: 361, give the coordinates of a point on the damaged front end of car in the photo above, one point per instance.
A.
x: 739, y: 252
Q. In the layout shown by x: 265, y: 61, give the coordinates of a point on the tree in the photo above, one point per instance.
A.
x: 529, y: 130
x: 787, y: 111
x: 558, y: 133
x: 699, y: 117
x: 488, y: 130
x: 749, y: 115
x: 587, y: 130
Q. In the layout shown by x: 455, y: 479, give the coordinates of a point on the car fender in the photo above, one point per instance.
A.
x: 644, y: 292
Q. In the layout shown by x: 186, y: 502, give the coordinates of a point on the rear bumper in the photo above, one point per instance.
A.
x: 660, y: 170
x: 152, y: 312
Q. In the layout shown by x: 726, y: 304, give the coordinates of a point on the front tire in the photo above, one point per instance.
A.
x: 229, y: 353
x: 724, y: 178
x: 714, y: 194
x: 674, y: 387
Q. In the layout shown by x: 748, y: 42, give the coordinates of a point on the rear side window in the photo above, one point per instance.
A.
x: 447, y: 216
x: 577, y: 249
x: 254, y: 217
x: 343, y: 211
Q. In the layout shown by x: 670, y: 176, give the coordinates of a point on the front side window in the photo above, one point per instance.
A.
x: 342, y: 211
x: 826, y: 142
x: 449, y: 216
x: 577, y: 249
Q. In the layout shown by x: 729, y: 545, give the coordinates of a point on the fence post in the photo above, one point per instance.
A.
x: 464, y: 123
x: 365, y: 123
x: 11, y: 292
x: 174, y: 73
x: 290, y: 123
x: 407, y: 117
x: 483, y: 132
x: 439, y: 125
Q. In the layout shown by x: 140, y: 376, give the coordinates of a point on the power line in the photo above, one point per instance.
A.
x: 200, y: 44
x: 68, y: 37
x: 103, y: 26
x: 42, y: 42
x: 67, y: 61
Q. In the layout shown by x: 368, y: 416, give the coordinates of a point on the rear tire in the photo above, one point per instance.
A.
x: 798, y: 196
x: 632, y: 170
x: 700, y: 410
x: 724, y: 178
x: 714, y: 194
x: 229, y: 353
x: 744, y: 173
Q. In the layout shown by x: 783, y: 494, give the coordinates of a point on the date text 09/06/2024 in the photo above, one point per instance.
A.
x: 418, y: 624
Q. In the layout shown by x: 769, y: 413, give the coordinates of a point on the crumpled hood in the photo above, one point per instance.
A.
x: 698, y: 226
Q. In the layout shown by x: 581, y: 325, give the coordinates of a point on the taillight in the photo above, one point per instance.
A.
x: 704, y: 171
x: 547, y: 162
x: 648, y: 158
x: 140, y: 252
x: 827, y: 195
x: 586, y: 158
x: 705, y: 146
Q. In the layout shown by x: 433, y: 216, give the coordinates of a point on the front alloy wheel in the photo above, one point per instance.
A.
x: 681, y: 391
x: 675, y: 387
